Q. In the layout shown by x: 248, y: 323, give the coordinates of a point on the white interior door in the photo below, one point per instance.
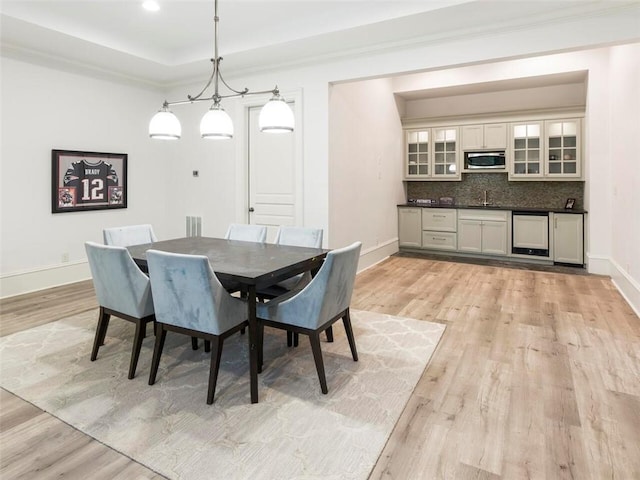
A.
x: 272, y: 177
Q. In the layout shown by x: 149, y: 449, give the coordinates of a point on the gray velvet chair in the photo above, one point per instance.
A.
x: 297, y: 237
x: 246, y: 233
x: 130, y: 235
x: 318, y: 305
x: 189, y: 299
x: 123, y: 291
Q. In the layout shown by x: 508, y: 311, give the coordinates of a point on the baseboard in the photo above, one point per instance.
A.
x: 598, y: 265
x: 374, y: 255
x: 627, y: 286
x: 34, y: 280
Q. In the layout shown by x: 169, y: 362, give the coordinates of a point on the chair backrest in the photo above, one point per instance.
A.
x: 299, y: 237
x: 246, y: 233
x: 328, y: 294
x: 119, y: 284
x: 127, y: 236
x: 186, y: 293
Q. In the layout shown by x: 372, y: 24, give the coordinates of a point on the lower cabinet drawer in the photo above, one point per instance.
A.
x: 439, y: 240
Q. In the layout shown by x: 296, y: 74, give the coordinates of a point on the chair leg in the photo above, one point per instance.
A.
x: 289, y: 338
x: 194, y: 343
x: 207, y: 346
x: 314, y: 339
x: 101, y: 333
x: 242, y: 330
x: 329, y: 333
x: 141, y: 327
x: 216, y: 353
x: 260, y: 346
x: 296, y: 338
x: 352, y: 341
x: 161, y: 334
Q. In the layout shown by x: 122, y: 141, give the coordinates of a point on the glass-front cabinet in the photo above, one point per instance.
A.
x: 432, y: 154
x: 417, y: 165
x: 526, y: 150
x: 563, y: 148
x: 546, y: 150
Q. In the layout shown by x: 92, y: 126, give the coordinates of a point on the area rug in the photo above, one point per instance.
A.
x: 293, y: 432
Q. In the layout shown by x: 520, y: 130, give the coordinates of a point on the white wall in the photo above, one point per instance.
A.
x: 365, y: 167
x: 624, y: 120
x: 44, y: 109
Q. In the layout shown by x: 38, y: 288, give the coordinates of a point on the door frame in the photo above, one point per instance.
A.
x: 242, y: 153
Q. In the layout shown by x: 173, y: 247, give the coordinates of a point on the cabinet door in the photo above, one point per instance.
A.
x: 562, y: 155
x: 446, y: 153
x: 495, y: 136
x: 470, y: 236
x: 568, y: 239
x: 531, y: 231
x: 410, y: 227
x: 472, y: 137
x: 526, y: 150
x: 494, y: 238
x: 417, y: 154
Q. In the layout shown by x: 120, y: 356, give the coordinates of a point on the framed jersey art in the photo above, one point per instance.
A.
x: 88, y: 181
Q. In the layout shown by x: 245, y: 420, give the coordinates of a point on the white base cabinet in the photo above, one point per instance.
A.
x: 410, y: 227
x: 439, y: 228
x: 483, y: 231
x: 568, y: 238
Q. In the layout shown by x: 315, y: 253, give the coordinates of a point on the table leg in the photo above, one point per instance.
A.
x: 253, y: 343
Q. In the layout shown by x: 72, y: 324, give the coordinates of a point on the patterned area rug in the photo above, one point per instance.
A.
x: 294, y: 432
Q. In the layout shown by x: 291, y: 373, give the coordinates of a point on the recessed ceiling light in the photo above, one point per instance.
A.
x: 151, y: 5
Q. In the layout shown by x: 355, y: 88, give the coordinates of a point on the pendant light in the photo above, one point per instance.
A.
x: 275, y: 117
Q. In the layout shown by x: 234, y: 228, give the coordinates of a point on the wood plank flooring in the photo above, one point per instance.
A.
x: 537, y: 376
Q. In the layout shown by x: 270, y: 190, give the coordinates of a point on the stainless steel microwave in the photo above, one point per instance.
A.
x: 484, y: 160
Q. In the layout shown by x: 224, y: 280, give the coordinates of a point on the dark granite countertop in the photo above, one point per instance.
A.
x: 496, y: 207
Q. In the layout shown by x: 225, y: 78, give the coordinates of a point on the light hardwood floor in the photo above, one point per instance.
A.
x: 537, y: 376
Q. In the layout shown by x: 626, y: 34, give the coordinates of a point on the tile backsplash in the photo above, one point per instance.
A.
x: 500, y: 191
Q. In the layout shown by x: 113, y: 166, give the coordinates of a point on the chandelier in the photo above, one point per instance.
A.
x: 275, y: 117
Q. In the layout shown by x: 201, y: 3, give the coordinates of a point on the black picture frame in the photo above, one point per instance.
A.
x: 83, y: 181
x: 570, y: 203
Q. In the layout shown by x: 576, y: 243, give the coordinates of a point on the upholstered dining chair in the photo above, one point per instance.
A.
x: 246, y: 233
x: 189, y: 299
x: 318, y: 305
x: 123, y: 291
x: 130, y: 235
x: 297, y: 237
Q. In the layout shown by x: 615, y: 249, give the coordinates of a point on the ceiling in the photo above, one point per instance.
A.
x: 118, y: 38
x: 121, y: 36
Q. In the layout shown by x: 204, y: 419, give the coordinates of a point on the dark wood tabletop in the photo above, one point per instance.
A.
x: 248, y: 265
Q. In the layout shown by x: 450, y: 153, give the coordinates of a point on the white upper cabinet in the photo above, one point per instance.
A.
x: 546, y: 150
x: 526, y: 150
x: 484, y: 137
x: 432, y: 154
x: 562, y: 148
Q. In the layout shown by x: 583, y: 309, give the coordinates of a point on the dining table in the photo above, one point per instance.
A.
x: 242, y: 266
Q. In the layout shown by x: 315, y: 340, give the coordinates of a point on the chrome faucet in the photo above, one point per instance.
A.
x: 485, y: 202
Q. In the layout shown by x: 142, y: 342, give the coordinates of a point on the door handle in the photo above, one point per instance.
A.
x: 251, y: 209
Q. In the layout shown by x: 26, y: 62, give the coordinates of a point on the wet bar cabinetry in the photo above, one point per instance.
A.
x: 485, y: 136
x: 538, y: 146
x: 432, y: 154
x: 483, y: 231
x: 546, y: 150
x: 439, y: 226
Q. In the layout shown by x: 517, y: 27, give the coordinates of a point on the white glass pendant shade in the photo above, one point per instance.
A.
x: 216, y: 124
x: 164, y: 125
x: 276, y: 116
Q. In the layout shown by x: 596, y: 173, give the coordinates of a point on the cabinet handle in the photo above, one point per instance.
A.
x: 438, y: 238
x: 439, y: 216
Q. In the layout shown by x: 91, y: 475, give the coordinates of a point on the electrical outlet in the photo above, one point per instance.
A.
x: 65, y: 257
